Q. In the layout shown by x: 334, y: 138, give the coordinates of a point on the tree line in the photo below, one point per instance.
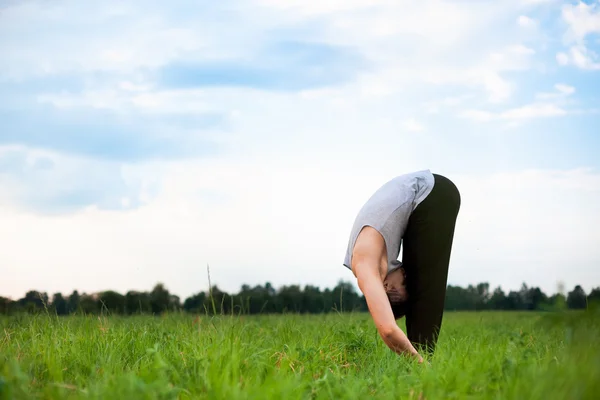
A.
x: 265, y: 299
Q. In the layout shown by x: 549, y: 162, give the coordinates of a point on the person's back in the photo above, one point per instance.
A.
x: 388, y: 211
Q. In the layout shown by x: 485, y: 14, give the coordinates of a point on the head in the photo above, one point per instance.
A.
x: 395, y: 287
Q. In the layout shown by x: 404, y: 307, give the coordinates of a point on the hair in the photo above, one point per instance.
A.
x: 399, y: 299
x: 399, y: 304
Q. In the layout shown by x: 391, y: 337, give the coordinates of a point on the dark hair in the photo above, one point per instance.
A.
x: 399, y: 304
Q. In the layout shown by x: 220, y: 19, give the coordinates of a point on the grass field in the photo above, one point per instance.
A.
x: 498, y: 355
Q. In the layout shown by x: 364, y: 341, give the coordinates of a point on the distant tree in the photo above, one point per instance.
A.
x: 558, y: 301
x: 312, y: 300
x: 159, y: 299
x: 112, y: 302
x: 453, y: 298
x: 218, y: 301
x: 73, y: 302
x: 345, y: 297
x: 5, y: 305
x: 290, y: 298
x: 458, y: 298
x: 594, y: 296
x: 270, y: 289
x: 497, y: 300
x: 195, y: 303
x: 483, y: 296
x: 536, y: 298
x: 576, y: 299
x: 59, y: 304
x: 514, y: 301
x: 137, y: 302
x: 88, y: 304
x: 33, y: 301
x: 174, y: 302
x: 531, y: 298
x: 257, y: 299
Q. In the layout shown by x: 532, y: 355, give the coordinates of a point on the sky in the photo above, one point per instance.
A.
x: 142, y: 141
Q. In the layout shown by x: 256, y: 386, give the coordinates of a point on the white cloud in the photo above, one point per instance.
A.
x: 478, y: 115
x: 413, y: 125
x: 526, y: 22
x: 356, y: 21
x: 565, y: 89
x: 267, y: 219
x: 516, y: 57
x: 562, y: 91
x: 486, y: 74
x: 436, y: 106
x: 530, y: 211
x: 562, y: 58
x: 583, y: 20
x: 529, y: 111
x: 291, y: 225
x: 498, y: 88
x: 93, y: 38
x: 143, y: 99
x: 579, y: 56
x: 521, y: 49
x: 279, y: 204
x: 404, y: 44
x: 305, y: 8
x: 547, y: 104
x: 533, y: 111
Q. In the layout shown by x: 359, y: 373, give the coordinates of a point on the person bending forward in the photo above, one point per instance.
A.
x: 419, y: 211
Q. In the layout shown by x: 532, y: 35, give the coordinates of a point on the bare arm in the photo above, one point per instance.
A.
x: 369, y: 254
x: 379, y: 307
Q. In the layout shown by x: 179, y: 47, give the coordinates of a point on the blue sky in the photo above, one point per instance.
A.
x: 141, y: 141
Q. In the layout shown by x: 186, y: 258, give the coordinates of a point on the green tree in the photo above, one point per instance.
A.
x: 576, y: 299
x: 558, y: 301
x: 218, y: 301
x: 5, y: 305
x: 112, y: 302
x: 312, y: 300
x: 195, y: 303
x: 159, y: 299
x: 73, y: 302
x: 594, y: 296
x: 290, y: 299
x: 34, y: 301
x: 483, y: 296
x: 59, y: 304
x: 137, y: 302
x: 514, y: 301
x: 458, y: 298
x: 536, y: 298
x: 88, y: 304
x: 497, y: 300
x: 174, y: 302
x: 345, y: 297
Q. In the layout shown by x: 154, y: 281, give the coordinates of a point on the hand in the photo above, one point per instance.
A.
x: 423, y: 362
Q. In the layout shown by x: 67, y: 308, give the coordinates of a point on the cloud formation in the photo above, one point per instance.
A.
x: 139, y: 142
x: 583, y: 21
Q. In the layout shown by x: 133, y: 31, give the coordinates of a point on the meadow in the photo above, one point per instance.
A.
x: 487, y: 355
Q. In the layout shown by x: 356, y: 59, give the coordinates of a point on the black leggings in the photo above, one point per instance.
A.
x: 427, y: 244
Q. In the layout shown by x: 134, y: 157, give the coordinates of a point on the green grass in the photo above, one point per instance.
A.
x: 498, y: 355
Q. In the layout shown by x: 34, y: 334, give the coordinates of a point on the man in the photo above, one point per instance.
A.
x: 419, y: 211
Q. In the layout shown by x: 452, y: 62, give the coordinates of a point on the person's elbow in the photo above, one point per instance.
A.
x: 388, y: 332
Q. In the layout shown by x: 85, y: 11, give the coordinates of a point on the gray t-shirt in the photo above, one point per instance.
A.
x: 388, y: 211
